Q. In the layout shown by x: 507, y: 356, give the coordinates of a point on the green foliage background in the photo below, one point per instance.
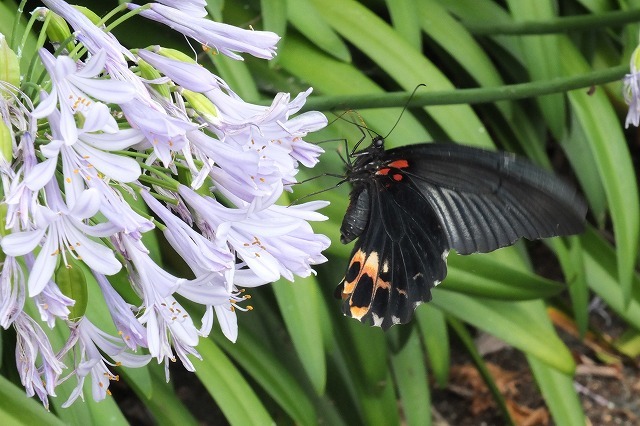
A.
x: 297, y: 359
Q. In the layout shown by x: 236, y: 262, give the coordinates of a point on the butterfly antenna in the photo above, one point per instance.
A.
x: 405, y: 107
x: 316, y: 177
x: 297, y: 200
x: 339, y: 116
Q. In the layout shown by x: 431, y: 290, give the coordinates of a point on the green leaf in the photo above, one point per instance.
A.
x: 232, y: 393
x: 16, y: 409
x: 346, y: 79
x: 451, y: 35
x: 584, y: 165
x: 540, y: 56
x: 604, y: 138
x: 412, y: 381
x: 524, y: 325
x: 165, y: 406
x: 407, y: 66
x: 274, y: 14
x: 276, y: 378
x: 482, y: 276
x: 9, y: 12
x: 433, y: 330
x: 558, y: 392
x: 305, y: 18
x: 381, y: 408
x: 299, y: 305
x: 602, y: 276
x: 573, y: 267
x: 404, y: 17
x: 10, y: 73
x: 628, y: 343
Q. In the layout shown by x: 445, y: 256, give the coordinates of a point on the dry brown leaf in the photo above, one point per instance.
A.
x: 467, y: 381
x: 590, y: 340
x: 525, y: 416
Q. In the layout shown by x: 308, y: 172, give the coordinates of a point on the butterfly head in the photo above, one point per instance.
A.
x: 377, y: 142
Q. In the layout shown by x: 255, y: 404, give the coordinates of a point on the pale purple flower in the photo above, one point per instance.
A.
x: 226, y: 39
x: 165, y: 134
x: 61, y: 231
x: 84, y: 158
x: 20, y: 199
x: 270, y: 132
x: 32, y: 346
x: 118, y: 212
x: 275, y: 241
x: 206, y: 259
x: 129, y: 328
x: 227, y: 320
x: 75, y: 88
x: 51, y: 303
x: 94, y: 38
x: 190, y: 7
x: 87, y: 343
x: 167, y: 322
x: 200, y: 254
x: 237, y: 170
x: 145, y: 273
x: 631, y: 93
x: 86, y: 164
x: 12, y: 291
x: 191, y: 76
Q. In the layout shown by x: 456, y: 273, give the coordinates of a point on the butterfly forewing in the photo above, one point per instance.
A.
x: 486, y: 200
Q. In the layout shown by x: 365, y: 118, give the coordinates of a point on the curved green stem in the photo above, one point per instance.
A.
x: 467, y: 96
x: 557, y: 25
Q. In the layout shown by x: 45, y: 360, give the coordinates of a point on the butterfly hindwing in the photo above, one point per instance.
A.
x: 398, y: 258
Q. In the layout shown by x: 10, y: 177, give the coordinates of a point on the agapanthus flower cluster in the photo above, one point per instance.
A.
x: 101, y: 150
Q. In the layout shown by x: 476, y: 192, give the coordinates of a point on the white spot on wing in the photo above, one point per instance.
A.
x: 377, y: 321
x: 445, y: 254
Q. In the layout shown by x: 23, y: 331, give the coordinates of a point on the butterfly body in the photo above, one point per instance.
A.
x: 410, y: 205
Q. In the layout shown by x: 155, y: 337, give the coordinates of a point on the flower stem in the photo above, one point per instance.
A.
x: 467, y: 96
x: 585, y: 22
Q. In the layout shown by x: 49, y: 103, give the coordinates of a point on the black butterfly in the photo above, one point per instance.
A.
x: 410, y: 205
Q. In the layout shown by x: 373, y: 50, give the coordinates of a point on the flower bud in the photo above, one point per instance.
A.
x: 202, y: 105
x: 6, y: 142
x: 58, y: 31
x: 150, y: 73
x: 9, y: 64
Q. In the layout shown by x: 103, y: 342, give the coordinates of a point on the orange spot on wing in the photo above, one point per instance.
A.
x: 397, y: 177
x: 384, y: 171
x: 358, y: 312
x: 399, y: 164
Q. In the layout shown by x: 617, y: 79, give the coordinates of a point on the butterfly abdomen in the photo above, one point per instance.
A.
x: 357, y: 215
